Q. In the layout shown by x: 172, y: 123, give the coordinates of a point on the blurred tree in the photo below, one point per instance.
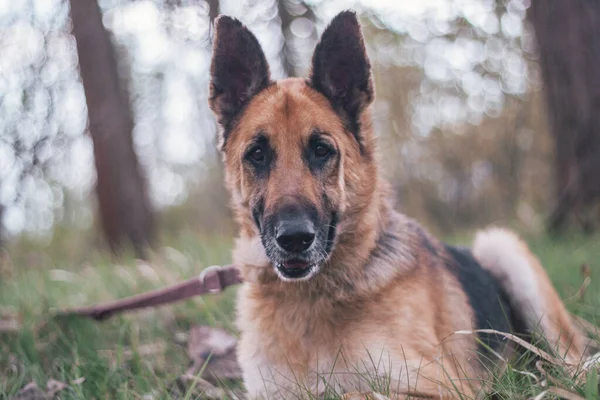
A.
x: 1, y: 226
x: 213, y: 9
x: 568, y: 35
x: 33, y: 82
x: 456, y: 113
x: 124, y: 206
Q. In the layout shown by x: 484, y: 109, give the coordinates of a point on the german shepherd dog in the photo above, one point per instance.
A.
x: 340, y: 290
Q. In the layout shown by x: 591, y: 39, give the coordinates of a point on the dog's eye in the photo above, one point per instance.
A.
x: 322, y: 151
x: 257, y: 155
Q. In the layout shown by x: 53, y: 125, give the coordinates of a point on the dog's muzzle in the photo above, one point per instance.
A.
x: 296, y: 240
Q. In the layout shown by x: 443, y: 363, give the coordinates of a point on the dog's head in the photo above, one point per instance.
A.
x: 298, y: 153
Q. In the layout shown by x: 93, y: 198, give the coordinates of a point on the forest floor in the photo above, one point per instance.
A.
x: 145, y: 354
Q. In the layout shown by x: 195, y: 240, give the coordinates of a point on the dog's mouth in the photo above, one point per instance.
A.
x: 303, y: 265
x: 296, y: 269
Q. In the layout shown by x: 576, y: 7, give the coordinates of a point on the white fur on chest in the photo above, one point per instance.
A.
x: 376, y: 368
x: 347, y: 363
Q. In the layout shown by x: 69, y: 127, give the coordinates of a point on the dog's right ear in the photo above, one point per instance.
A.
x: 238, y: 71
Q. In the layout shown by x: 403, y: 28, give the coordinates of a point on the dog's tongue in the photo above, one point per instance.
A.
x: 296, y: 264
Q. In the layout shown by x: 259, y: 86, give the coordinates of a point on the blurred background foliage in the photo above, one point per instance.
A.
x: 459, y: 111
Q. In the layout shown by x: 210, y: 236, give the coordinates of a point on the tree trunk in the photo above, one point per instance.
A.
x: 125, y: 210
x: 568, y: 35
x: 1, y: 226
x: 213, y: 10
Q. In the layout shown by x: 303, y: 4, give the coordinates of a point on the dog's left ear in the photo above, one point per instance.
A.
x: 341, y: 70
x: 238, y: 71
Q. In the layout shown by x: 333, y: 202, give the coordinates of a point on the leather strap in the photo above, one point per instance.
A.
x: 212, y: 280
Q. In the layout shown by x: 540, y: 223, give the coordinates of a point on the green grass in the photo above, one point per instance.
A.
x: 140, y: 355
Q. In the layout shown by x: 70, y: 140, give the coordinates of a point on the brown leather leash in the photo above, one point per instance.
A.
x: 213, y: 279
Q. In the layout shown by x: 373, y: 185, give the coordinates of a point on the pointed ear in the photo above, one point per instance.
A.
x: 238, y: 71
x: 341, y: 70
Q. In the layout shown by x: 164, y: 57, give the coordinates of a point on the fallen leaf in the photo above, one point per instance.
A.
x: 9, y: 325
x: 225, y: 367
x: 214, y: 352
x: 204, y: 340
x: 53, y: 387
x: 31, y: 391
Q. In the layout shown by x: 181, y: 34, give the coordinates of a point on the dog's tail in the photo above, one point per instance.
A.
x: 531, y: 294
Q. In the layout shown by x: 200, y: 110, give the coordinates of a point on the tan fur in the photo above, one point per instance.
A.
x: 403, y: 329
x: 288, y: 112
x: 524, y: 279
x: 384, y: 304
x: 397, y: 320
x: 394, y: 318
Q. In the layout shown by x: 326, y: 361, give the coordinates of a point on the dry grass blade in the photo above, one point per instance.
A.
x: 585, y: 325
x: 581, y: 292
x: 78, y: 381
x: 544, y: 374
x: 537, y: 351
x: 585, y: 270
x: 578, y: 296
x: 592, y: 361
x: 541, y: 381
x: 560, y: 393
x: 364, y: 396
x: 143, y: 350
x: 539, y: 365
x: 31, y: 391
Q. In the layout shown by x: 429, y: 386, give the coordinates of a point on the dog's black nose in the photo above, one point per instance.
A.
x: 295, y: 236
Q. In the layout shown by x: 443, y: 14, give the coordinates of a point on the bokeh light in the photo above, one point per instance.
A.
x: 445, y: 69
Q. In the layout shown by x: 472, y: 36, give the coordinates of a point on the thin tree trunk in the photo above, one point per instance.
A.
x: 125, y: 210
x: 568, y: 34
x: 213, y: 10
x: 1, y: 225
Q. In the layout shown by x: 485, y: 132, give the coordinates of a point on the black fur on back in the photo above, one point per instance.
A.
x: 490, y: 304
